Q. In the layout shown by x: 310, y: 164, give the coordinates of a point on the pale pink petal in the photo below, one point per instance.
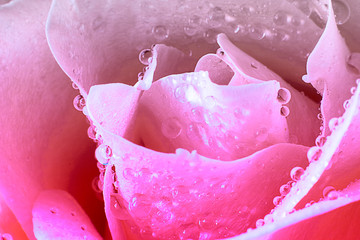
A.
x: 43, y: 139
x: 303, y: 111
x: 57, y: 215
x: 176, y: 191
x: 336, y: 164
x: 189, y: 111
x: 336, y: 218
x: 329, y: 72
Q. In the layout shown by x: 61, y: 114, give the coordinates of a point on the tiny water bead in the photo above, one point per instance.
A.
x: 103, y: 153
x: 160, y: 32
x: 79, y: 102
x: 91, y: 132
x: 261, y: 135
x: 74, y: 86
x: 117, y: 208
x: 283, y: 96
x: 346, y: 104
x: 171, y: 128
x: 306, y: 78
x: 353, y: 90
x: 333, y: 123
x: 330, y: 193
x: 257, y: 32
x: 140, y: 206
x: 280, y: 18
x: 210, y: 35
x: 284, y: 189
x: 341, y: 11
x: 187, y: 93
x: 320, y: 141
x: 277, y: 200
x: 145, y: 56
x: 215, y: 18
x: 190, y: 30
x: 296, y: 173
x: 314, y: 154
x: 260, y: 223
x: 284, y: 111
x: 130, y: 174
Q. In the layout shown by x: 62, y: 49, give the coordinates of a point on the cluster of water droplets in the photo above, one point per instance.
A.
x: 159, y: 198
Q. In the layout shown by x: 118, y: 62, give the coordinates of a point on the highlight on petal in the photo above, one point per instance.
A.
x: 329, y: 71
x: 335, y: 164
x: 57, y: 215
x: 328, y: 219
x: 219, y: 122
x: 147, y: 191
x: 303, y: 110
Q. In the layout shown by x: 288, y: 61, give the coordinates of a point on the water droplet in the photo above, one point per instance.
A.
x: 283, y: 96
x: 320, y: 141
x: 210, y: 102
x: 260, y: 223
x: 190, y: 30
x: 187, y: 93
x: 314, y: 154
x: 180, y: 193
x: 117, y: 208
x: 284, y: 189
x: 296, y: 173
x: 195, y: 20
x: 160, y: 32
x: 98, y: 24
x: 145, y: 56
x: 306, y: 79
x: 246, y: 9
x: 171, y: 128
x: 79, y: 102
x: 216, y: 17
x: 277, y: 200
x: 103, y: 154
x: 145, y: 175
x: 197, y: 131
x: 95, y: 185
x: 241, y: 112
x: 6, y: 236
x: 74, y: 86
x: 256, y: 32
x: 333, y: 123
x: 341, y: 11
x: 346, y: 104
x: 140, y: 206
x: 212, y: 119
x: 353, y: 90
x: 261, y: 135
x: 197, y: 114
x: 330, y: 193
x: 268, y: 219
x: 320, y: 116
x: 91, y: 132
x: 239, y: 29
x: 284, y: 111
x: 280, y: 35
x: 210, y: 35
x: 129, y: 174
x: 280, y: 18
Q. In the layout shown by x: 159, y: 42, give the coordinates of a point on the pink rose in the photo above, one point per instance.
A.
x: 184, y: 157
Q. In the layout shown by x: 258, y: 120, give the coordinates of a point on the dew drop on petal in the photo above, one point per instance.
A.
x: 306, y: 78
x: 284, y: 111
x: 280, y: 18
x: 129, y: 174
x: 277, y: 200
x: 171, y: 128
x: 190, y: 30
x: 260, y: 223
x: 284, y: 189
x: 117, y: 208
x: 145, y: 56
x: 330, y: 193
x: 74, y: 86
x: 341, y: 11
x: 333, y: 123
x: 140, y: 206
x: 353, y: 90
x: 79, y: 102
x: 160, y: 32
x: 261, y: 135
x: 197, y: 114
x: 283, y: 96
x: 91, y: 132
x: 216, y: 17
x: 296, y: 173
x: 210, y: 35
x: 187, y: 93
x: 320, y: 141
x: 103, y: 153
x: 346, y: 104
x: 256, y: 32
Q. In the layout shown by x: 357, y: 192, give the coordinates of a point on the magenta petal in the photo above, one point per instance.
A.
x: 57, y: 215
x: 189, y: 111
x: 336, y: 164
x: 330, y: 219
x: 303, y: 111
x: 329, y: 71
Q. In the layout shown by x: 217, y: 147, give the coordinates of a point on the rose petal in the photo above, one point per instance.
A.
x: 43, y: 138
x: 329, y: 72
x: 138, y: 179
x: 330, y: 219
x: 218, y: 121
x: 303, y: 111
x: 335, y: 164
x: 8, y: 223
x: 57, y: 215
